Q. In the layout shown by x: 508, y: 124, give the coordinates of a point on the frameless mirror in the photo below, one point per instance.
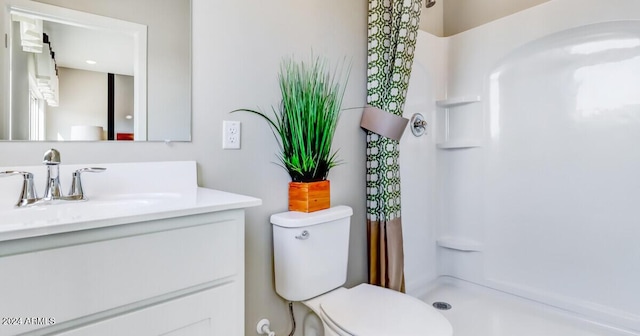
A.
x: 96, y: 70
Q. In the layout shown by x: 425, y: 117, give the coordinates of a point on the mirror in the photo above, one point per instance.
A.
x: 102, y: 70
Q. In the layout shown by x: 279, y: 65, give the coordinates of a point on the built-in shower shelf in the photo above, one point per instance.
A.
x: 457, y: 144
x: 451, y: 102
x: 459, y: 244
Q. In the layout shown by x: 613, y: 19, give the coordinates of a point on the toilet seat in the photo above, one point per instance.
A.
x: 371, y: 310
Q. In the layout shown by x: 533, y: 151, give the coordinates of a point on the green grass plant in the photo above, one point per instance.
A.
x: 305, y: 122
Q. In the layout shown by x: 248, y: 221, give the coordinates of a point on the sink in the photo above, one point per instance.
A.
x: 106, y: 206
x: 125, y: 193
x: 113, y: 209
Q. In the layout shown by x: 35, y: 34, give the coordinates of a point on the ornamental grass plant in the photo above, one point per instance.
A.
x: 305, y: 122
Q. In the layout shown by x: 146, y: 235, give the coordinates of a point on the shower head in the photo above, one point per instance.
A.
x: 430, y: 3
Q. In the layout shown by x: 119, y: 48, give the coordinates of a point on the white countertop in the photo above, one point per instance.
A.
x: 100, y: 212
x: 123, y: 194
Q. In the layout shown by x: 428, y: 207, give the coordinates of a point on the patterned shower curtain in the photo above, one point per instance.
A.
x: 393, y: 28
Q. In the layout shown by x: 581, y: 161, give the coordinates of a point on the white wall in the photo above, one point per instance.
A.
x: 432, y: 19
x: 83, y: 100
x: 449, y: 17
x: 461, y: 15
x: 123, y: 100
x: 237, y: 49
x: 4, y: 78
x: 20, y: 88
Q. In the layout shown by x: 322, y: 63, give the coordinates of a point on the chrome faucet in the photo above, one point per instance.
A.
x: 52, y: 190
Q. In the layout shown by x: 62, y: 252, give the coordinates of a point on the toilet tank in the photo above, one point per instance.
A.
x: 310, y: 251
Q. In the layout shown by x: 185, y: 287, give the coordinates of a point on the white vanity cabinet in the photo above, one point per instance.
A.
x: 164, y: 259
x: 174, y: 276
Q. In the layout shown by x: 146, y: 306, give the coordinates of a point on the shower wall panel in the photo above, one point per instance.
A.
x: 546, y: 204
x: 418, y: 164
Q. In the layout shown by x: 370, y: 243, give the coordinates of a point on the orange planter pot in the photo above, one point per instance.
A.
x: 309, y: 196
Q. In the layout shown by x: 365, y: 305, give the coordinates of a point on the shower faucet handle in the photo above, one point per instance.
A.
x: 76, y: 191
x: 28, y: 193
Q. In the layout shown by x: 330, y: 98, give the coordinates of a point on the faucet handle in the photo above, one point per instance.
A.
x: 76, y: 191
x: 28, y: 194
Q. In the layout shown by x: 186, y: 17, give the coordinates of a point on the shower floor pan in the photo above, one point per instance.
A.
x: 480, y: 311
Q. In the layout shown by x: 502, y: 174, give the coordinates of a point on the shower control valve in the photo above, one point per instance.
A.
x: 418, y: 124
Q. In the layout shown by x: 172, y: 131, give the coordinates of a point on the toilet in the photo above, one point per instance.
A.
x: 310, y: 252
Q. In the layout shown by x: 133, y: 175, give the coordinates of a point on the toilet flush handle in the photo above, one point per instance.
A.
x: 304, y: 236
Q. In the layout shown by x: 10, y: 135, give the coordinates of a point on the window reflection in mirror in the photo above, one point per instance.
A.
x: 103, y: 90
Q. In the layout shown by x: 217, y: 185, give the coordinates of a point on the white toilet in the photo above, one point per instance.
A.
x: 310, y: 257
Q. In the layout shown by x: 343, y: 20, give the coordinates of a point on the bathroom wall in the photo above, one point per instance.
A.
x: 83, y: 100
x: 20, y: 93
x: 4, y: 117
x: 123, y: 101
x: 237, y: 47
x: 431, y: 19
x: 541, y: 199
x: 461, y: 15
x: 449, y: 17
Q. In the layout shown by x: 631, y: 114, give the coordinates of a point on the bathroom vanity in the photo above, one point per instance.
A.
x: 141, y: 257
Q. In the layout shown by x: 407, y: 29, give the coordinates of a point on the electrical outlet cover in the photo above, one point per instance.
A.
x: 230, y: 134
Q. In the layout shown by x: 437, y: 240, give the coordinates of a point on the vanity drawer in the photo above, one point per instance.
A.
x: 214, y: 312
x: 69, y: 282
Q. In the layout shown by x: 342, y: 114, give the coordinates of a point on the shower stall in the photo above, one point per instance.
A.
x: 528, y: 180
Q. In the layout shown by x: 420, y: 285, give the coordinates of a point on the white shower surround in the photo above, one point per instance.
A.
x: 552, y: 218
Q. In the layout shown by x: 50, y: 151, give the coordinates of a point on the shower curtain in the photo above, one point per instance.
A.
x: 393, y: 26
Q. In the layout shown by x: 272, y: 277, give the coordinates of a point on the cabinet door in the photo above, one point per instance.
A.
x: 73, y: 281
x: 214, y: 311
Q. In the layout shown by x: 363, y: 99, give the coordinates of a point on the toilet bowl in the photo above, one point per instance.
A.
x: 376, y: 311
x: 310, y: 262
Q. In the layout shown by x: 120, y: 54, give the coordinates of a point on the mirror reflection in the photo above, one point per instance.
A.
x: 97, y: 70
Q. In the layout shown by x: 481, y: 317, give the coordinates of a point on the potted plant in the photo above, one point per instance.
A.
x: 304, y: 124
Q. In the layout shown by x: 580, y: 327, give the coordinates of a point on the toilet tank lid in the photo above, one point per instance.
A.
x: 294, y: 219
